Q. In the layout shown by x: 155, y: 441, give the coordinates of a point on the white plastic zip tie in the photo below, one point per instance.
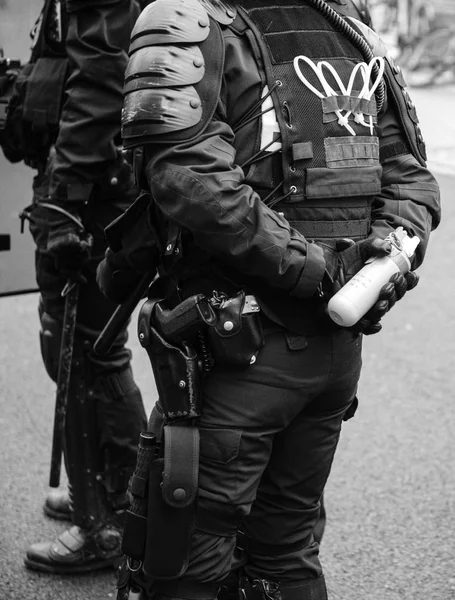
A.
x: 365, y: 93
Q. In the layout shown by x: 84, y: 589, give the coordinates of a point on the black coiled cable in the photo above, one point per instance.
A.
x: 206, y: 354
x: 337, y: 21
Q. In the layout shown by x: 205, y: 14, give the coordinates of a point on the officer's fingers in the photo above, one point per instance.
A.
x: 412, y: 279
x: 373, y: 247
x: 378, y: 310
x: 388, y: 294
x: 401, y: 285
x: 368, y: 326
x: 372, y: 328
x: 380, y: 247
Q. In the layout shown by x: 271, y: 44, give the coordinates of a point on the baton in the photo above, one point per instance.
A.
x: 120, y: 316
x: 71, y: 293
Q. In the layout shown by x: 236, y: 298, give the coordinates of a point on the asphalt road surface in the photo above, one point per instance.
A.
x: 391, y: 496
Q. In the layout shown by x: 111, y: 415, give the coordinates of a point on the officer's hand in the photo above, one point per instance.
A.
x: 71, y: 250
x: 390, y: 293
x: 353, y: 257
x: 347, y: 258
x: 67, y: 241
x: 116, y: 278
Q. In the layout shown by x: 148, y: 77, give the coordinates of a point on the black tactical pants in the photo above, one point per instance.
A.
x: 268, y: 437
x: 116, y: 400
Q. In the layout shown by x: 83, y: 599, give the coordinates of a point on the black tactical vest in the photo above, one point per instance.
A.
x: 326, y: 115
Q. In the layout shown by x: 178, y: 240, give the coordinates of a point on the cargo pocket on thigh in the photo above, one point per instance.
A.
x: 219, y: 467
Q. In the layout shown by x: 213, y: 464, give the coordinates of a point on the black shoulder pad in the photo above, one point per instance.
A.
x: 170, y: 22
x: 396, y: 88
x: 173, y: 78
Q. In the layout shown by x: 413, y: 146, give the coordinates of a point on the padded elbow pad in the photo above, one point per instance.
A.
x: 173, y: 77
x: 396, y: 88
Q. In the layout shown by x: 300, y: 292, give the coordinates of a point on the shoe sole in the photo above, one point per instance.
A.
x: 70, y: 569
x: 55, y: 514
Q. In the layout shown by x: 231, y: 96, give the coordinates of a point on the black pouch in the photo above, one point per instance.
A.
x: 11, y: 102
x: 33, y: 110
x: 237, y: 337
x: 169, y: 531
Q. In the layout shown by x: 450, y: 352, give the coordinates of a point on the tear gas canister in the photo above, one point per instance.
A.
x: 359, y: 294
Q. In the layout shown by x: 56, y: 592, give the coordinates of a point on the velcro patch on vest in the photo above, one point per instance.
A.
x: 351, y: 151
x: 343, y: 182
x: 302, y: 151
x: 350, y: 104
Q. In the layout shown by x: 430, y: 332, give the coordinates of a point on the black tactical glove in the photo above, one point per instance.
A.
x: 133, y: 251
x: 346, y: 259
x: 67, y: 242
x: 115, y: 277
x: 390, y: 293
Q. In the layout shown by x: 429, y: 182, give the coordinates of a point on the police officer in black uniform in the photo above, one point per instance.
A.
x: 279, y: 148
x: 72, y: 111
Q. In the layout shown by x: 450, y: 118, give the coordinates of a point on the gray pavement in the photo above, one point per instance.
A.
x: 435, y: 107
x: 391, y: 497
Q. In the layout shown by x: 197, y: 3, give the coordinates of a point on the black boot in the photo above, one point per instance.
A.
x: 77, y: 550
x: 57, y: 505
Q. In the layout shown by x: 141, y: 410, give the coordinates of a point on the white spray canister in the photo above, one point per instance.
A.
x: 359, y: 294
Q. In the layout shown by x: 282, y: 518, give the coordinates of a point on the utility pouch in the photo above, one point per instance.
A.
x: 33, y: 110
x: 238, y: 336
x: 173, y: 483
x: 169, y: 531
x: 44, y: 94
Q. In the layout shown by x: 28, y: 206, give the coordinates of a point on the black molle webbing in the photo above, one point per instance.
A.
x: 348, y: 151
x: 393, y: 149
x: 332, y: 229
